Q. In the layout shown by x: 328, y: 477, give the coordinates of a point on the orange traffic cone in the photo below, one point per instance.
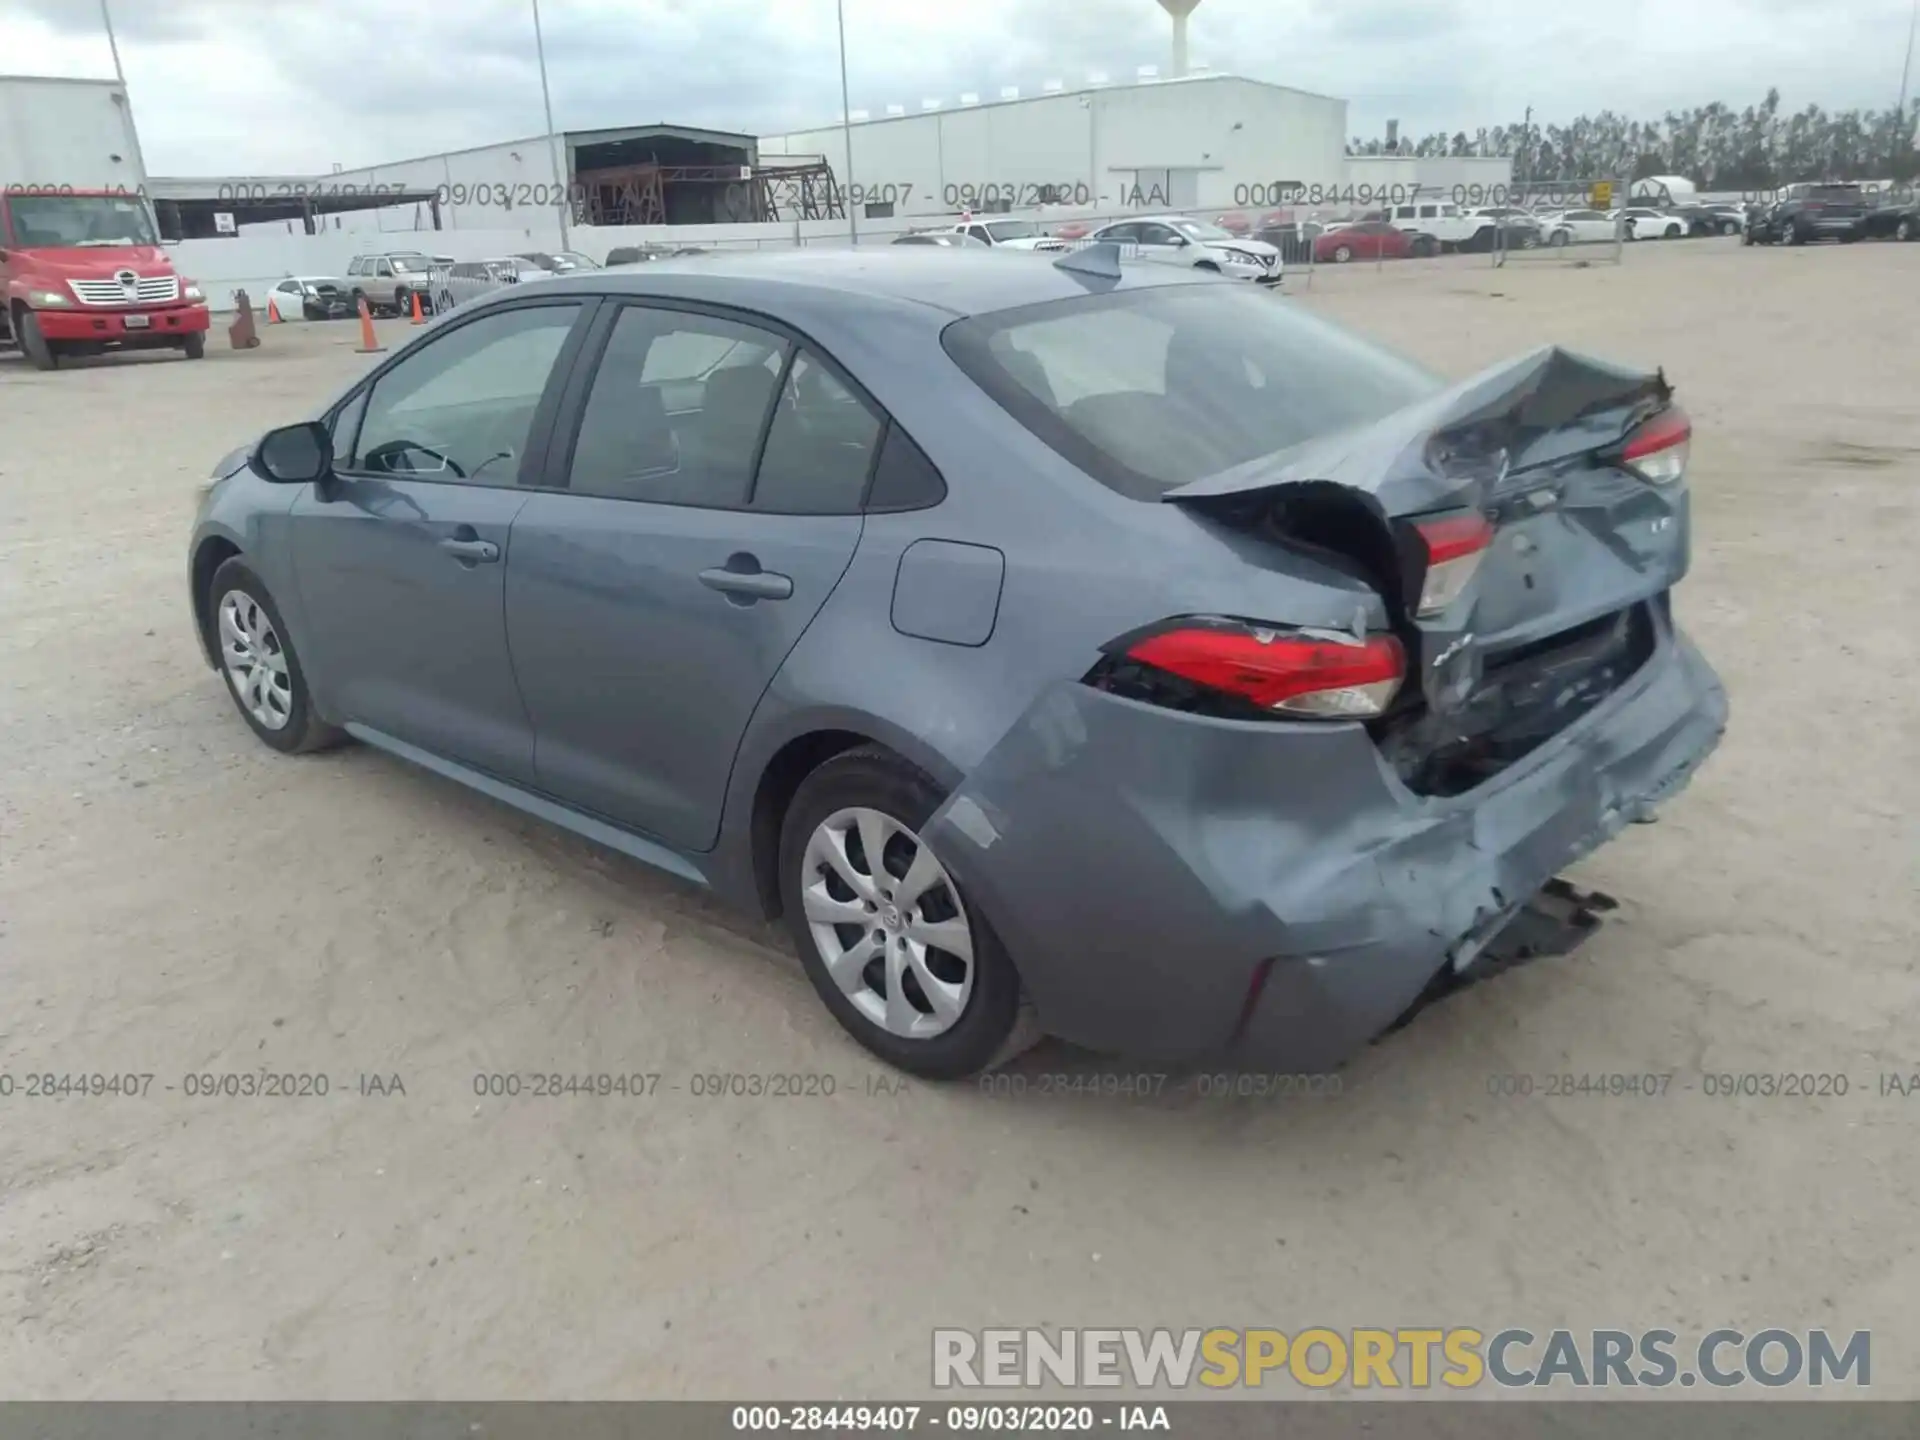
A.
x: 418, y: 318
x: 369, y: 342
x: 273, y: 311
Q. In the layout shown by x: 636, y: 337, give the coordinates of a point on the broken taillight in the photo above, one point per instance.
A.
x: 1656, y: 451
x: 1456, y: 544
x: 1276, y: 670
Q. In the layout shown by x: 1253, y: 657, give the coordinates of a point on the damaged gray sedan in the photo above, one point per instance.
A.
x: 1076, y: 648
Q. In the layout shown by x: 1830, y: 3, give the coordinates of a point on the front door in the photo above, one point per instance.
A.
x: 401, y: 554
x: 661, y: 578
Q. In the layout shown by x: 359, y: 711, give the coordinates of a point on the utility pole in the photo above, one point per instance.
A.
x: 106, y: 18
x: 846, y: 119
x: 126, y: 101
x: 560, y: 176
x: 1906, y: 71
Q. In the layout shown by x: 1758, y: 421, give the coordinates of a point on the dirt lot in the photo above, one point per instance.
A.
x: 176, y: 899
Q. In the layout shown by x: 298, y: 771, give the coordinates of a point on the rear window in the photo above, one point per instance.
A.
x: 1148, y: 390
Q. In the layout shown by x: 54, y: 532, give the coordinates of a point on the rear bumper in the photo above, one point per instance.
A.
x: 1189, y: 890
x: 110, y: 326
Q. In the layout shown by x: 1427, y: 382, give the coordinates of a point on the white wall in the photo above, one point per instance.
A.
x: 505, y: 186
x: 1231, y: 133
x: 66, y: 132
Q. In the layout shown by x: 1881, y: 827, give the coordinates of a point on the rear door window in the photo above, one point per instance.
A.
x: 820, y: 448
x: 677, y: 412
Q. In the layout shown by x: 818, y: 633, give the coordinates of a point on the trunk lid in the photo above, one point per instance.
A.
x: 1578, y: 540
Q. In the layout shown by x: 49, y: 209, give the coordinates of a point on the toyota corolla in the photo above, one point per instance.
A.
x: 1081, y: 647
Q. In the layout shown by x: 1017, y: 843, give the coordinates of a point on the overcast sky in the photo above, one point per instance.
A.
x: 294, y: 86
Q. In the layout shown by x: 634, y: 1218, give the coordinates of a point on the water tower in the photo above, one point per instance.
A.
x: 1179, y: 10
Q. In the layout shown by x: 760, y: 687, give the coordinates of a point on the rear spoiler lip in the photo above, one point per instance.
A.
x: 1458, y: 444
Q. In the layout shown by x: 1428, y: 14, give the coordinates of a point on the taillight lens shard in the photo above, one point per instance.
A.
x: 1278, y: 671
x: 1657, y: 450
x: 1455, y: 544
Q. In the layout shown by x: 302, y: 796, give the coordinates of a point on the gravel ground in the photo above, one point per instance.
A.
x: 177, y: 900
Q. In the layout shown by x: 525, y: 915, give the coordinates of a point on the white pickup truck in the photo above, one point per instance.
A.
x: 1010, y: 234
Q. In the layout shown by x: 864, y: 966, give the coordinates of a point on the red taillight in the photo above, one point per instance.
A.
x: 1657, y: 450
x: 1276, y: 670
x: 1456, y: 544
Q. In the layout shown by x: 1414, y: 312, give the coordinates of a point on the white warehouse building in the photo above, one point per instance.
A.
x: 1201, y: 141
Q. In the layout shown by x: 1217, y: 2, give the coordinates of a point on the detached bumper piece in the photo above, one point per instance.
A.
x: 1557, y: 921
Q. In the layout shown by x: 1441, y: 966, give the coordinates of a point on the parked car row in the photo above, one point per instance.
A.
x: 1842, y: 212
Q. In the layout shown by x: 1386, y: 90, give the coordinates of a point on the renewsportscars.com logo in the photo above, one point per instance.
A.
x: 1460, y: 1358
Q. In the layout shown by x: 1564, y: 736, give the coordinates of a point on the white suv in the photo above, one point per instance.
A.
x: 1446, y: 222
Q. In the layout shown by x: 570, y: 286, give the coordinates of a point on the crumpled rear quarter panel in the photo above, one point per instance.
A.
x: 1141, y: 867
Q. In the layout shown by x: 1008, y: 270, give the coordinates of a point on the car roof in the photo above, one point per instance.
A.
x: 960, y: 280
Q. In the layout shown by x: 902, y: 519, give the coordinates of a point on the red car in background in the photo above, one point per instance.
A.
x: 1364, y: 240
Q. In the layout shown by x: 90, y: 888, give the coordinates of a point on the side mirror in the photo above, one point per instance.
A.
x: 294, y: 454
x: 1182, y: 241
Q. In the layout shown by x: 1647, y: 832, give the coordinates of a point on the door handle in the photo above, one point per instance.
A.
x: 742, y: 577
x: 472, y: 552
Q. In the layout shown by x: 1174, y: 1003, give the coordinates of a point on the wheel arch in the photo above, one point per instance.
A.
x: 764, y: 793
x: 208, y: 556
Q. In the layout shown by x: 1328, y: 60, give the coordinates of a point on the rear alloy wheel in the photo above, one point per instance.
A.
x: 1558, y: 238
x: 403, y: 302
x: 1907, y: 230
x: 1727, y: 227
x: 887, y: 939
x: 1342, y: 254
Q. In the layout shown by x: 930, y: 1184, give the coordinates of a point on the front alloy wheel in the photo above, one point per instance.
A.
x: 255, y: 661
x: 888, y: 922
x: 259, y: 661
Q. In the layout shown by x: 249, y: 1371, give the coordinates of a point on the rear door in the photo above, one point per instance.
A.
x: 704, y: 504
x: 400, y: 555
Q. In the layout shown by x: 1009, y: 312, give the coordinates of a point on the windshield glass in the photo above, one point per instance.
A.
x: 1201, y: 230
x: 80, y: 220
x: 573, y: 260
x: 1013, y: 229
x: 1150, y: 389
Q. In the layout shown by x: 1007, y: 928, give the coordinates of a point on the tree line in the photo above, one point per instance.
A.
x: 1714, y: 145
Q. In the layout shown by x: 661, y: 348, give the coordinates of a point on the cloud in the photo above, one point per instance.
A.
x: 288, y: 86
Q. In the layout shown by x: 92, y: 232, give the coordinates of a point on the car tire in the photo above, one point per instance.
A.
x: 1558, y: 239
x: 1342, y: 254
x: 1727, y: 227
x: 1907, y: 230
x: 39, y: 350
x: 402, y: 302
x: 359, y: 299
x: 1530, y: 240
x: 246, y: 638
x: 871, y: 791
x: 193, y: 344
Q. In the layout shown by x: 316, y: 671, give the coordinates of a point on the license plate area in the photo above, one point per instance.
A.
x: 137, y: 322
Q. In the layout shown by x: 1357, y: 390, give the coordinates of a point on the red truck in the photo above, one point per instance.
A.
x: 85, y: 273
